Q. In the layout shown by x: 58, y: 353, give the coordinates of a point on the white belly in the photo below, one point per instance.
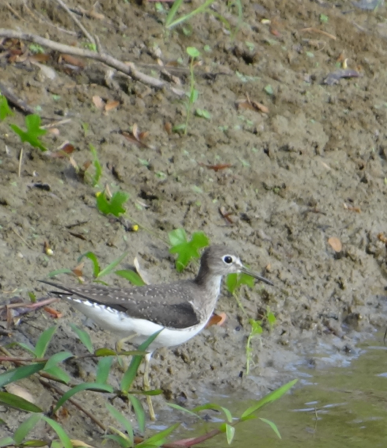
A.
x: 124, y: 326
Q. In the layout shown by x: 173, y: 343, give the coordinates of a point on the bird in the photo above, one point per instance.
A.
x: 180, y: 309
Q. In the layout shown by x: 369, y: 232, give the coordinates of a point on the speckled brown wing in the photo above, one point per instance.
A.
x: 165, y: 305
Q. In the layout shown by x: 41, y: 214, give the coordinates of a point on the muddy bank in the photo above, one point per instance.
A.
x: 310, y: 168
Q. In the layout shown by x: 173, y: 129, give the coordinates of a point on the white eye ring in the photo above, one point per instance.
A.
x: 228, y: 259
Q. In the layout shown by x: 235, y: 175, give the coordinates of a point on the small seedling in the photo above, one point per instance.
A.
x: 36, y: 49
x: 114, y: 205
x: 186, y: 250
x: 202, y: 113
x: 193, y: 93
x: 33, y: 132
x: 97, y: 165
x: 5, y: 111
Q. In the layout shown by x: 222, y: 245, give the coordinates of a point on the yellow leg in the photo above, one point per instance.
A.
x: 147, y: 386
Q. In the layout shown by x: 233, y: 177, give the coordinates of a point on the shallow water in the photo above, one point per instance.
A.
x: 342, y: 406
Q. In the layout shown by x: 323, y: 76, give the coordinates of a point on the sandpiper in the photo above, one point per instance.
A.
x: 181, y: 309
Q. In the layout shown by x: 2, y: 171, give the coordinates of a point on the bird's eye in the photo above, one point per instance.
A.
x: 227, y: 259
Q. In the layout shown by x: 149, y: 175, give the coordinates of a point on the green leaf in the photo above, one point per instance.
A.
x: 113, y: 206
x: 203, y: 113
x: 131, y: 371
x: 172, y: 12
x: 79, y: 388
x: 177, y: 237
x: 269, y: 90
x: 43, y: 341
x: 33, y: 131
x: 64, y: 438
x: 186, y: 250
x: 19, y: 373
x: 103, y: 369
x: 180, y: 408
x: 58, y: 373
x: 230, y: 432
x: 112, y: 265
x: 17, y: 402
x: 104, y: 352
x: 91, y: 256
x: 7, y: 441
x: 5, y: 111
x: 272, y: 425
x: 26, y: 347
x: 120, y: 440
x: 84, y: 337
x: 225, y: 411
x: 132, y: 276
x: 139, y: 411
x: 57, y: 358
x: 58, y: 272
x: 123, y: 420
x: 273, y: 396
x: 36, y: 443
x: 26, y: 427
x: 158, y: 439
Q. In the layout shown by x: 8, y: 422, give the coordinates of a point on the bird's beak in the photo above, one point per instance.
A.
x: 247, y: 271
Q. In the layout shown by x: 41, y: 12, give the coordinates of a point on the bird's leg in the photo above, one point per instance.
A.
x: 147, y: 386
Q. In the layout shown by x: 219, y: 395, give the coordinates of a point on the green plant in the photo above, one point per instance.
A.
x: 113, y: 205
x: 5, y: 111
x: 171, y: 21
x: 186, y: 250
x: 193, y: 93
x: 34, y: 131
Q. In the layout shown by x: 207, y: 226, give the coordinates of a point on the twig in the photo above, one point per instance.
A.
x: 84, y: 30
x: 56, y: 123
x: 316, y: 30
x: 14, y: 12
x: 20, y: 161
x: 128, y: 68
x: 24, y: 241
x: 58, y: 390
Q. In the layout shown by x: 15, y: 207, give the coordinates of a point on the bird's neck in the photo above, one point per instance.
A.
x: 210, y: 283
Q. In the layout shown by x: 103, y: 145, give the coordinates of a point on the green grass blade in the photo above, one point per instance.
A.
x: 139, y: 411
x: 84, y: 337
x: 19, y: 373
x: 93, y: 258
x: 64, y: 438
x: 172, y: 12
x: 43, y: 341
x: 132, y: 276
x: 112, y: 265
x: 123, y: 421
x: 79, y: 388
x: 180, y: 408
x: 57, y: 358
x: 272, y: 425
x: 186, y: 17
x: 7, y: 441
x: 97, y: 166
x: 17, y: 402
x: 103, y: 369
x: 26, y: 427
x: 25, y: 346
x: 131, y: 372
x: 58, y: 373
x: 273, y: 396
x: 230, y: 432
x: 158, y: 439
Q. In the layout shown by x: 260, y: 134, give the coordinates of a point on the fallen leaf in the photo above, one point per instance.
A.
x: 335, y: 244
x: 168, y: 127
x: 98, y: 102
x: 54, y: 313
x: 72, y: 60
x: 111, y: 104
x: 217, y: 319
x: 78, y: 270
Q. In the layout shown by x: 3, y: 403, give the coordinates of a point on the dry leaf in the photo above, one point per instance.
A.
x: 168, y: 127
x: 72, y: 60
x: 217, y: 319
x: 335, y: 244
x: 20, y: 392
x: 141, y: 272
x: 111, y: 104
x: 98, y: 102
x: 54, y: 313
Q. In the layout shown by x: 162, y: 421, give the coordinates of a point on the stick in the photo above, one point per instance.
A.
x: 129, y: 68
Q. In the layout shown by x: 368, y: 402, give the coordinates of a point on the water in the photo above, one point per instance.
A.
x: 335, y: 407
